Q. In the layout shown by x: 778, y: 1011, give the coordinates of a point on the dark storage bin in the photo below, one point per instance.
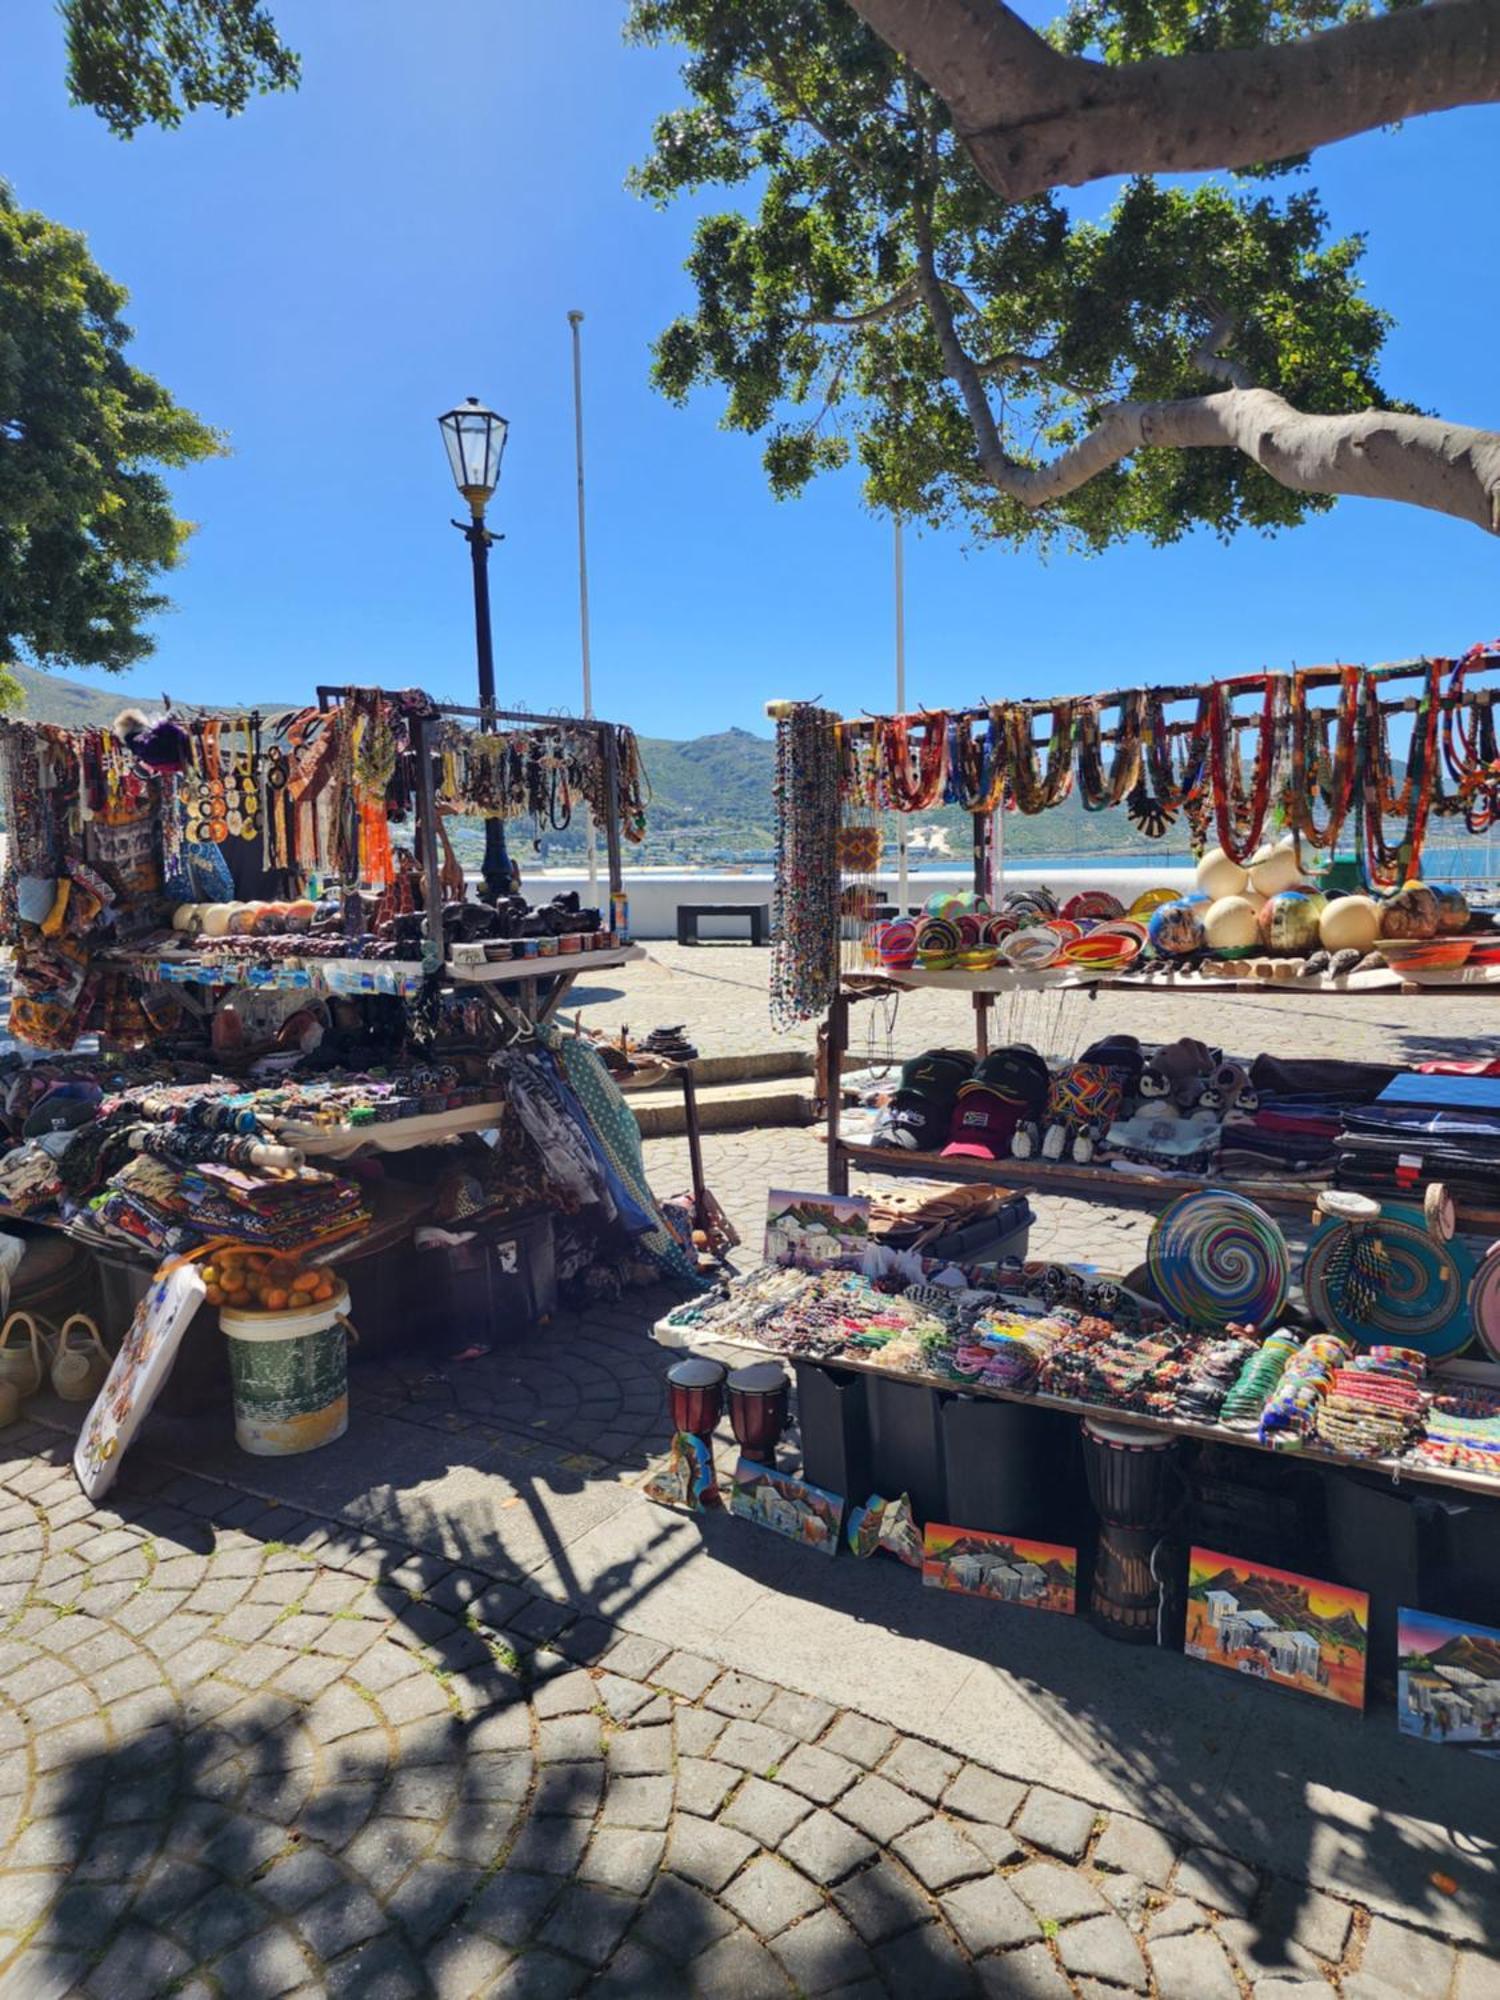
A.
x: 380, y: 1284
x: 1464, y: 1580
x: 499, y: 1283
x: 1376, y: 1534
x: 1264, y: 1508
x: 906, y: 1445
x: 833, y: 1419
x: 1005, y: 1466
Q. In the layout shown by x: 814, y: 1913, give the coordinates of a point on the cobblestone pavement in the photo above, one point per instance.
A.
x: 244, y: 1752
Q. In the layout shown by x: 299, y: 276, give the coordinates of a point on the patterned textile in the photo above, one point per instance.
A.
x: 1084, y: 1094
x: 614, y: 1126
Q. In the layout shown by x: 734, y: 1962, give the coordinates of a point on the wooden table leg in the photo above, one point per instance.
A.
x: 982, y: 1025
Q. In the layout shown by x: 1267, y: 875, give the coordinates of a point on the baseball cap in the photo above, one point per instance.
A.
x: 939, y: 1071
x: 983, y: 1124
x: 1017, y: 1074
x: 914, y: 1121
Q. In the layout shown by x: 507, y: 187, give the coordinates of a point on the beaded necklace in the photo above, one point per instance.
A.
x: 1097, y: 792
x: 976, y: 765
x: 1032, y: 791
x: 1386, y: 867
x: 1317, y: 773
x: 1470, y: 752
x: 914, y: 773
x: 1241, y: 820
x: 805, y: 924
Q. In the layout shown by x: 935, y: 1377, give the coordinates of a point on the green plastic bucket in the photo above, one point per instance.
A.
x: 291, y: 1377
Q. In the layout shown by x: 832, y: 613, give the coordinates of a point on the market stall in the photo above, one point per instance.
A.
x: 259, y: 1006
x: 1214, y: 1449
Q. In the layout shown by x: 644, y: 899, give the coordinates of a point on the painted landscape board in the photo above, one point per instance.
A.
x: 685, y: 1477
x: 814, y: 1231
x: 1294, y: 1631
x: 788, y: 1506
x: 1039, y: 1576
x: 1448, y: 1680
x: 888, y: 1525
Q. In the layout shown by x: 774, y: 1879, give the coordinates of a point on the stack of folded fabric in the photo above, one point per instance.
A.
x: 1375, y: 1407
x: 1287, y: 1136
x: 1393, y: 1149
x: 168, y: 1207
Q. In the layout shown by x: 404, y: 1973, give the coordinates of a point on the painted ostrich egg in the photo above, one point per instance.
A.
x: 1289, y: 921
x: 1218, y: 876
x: 1230, y: 927
x: 1275, y: 867
x: 1412, y: 912
x: 1453, y: 909
x: 1175, y: 930
x: 1350, y: 923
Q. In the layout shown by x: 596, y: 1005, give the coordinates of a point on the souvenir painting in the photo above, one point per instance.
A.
x: 814, y: 1231
x: 1041, y: 1576
x: 686, y: 1477
x: 787, y: 1505
x: 136, y: 1375
x: 1295, y: 1631
x: 1448, y: 1681
x: 888, y: 1525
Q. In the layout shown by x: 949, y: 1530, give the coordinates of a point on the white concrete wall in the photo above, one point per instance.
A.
x: 654, y: 894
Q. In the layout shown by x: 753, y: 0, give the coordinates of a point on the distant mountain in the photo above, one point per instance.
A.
x: 1475, y: 1654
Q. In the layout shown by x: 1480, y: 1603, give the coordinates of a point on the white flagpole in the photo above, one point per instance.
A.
x: 575, y: 320
x: 903, y: 887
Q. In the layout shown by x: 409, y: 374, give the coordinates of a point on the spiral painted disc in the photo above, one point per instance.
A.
x: 1421, y: 1300
x: 1484, y: 1303
x: 1215, y: 1258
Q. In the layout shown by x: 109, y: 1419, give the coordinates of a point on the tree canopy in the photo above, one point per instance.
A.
x: 86, y: 519
x: 1007, y: 364
x: 147, y: 62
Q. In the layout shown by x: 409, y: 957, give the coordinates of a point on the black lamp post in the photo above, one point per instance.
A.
x: 475, y: 440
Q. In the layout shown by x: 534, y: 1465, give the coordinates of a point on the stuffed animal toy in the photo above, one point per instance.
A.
x: 1083, y: 1101
x: 1230, y: 1093
x: 1179, y: 1073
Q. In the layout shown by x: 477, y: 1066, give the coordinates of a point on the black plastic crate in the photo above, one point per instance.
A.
x: 833, y: 1420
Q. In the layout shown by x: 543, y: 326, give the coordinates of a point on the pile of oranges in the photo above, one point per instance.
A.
x: 260, y: 1281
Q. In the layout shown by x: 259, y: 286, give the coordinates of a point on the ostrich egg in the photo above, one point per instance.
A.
x: 1453, y: 909
x: 1230, y: 927
x: 1218, y: 876
x: 1349, y: 923
x: 1274, y: 868
x: 1175, y: 930
x: 1412, y: 912
x: 1289, y: 921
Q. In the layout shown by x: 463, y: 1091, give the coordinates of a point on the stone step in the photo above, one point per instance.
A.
x: 722, y: 1107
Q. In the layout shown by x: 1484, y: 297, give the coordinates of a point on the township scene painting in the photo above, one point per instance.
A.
x: 1448, y: 1683
x: 1295, y: 1631
x: 813, y: 1231
x: 1039, y: 1576
x: 788, y: 1506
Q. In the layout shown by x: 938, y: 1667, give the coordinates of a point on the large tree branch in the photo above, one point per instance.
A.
x: 1377, y: 454
x: 1034, y: 119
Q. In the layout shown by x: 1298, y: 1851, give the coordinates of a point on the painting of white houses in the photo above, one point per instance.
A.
x: 1296, y: 1631
x: 1041, y: 1576
x: 1448, y: 1683
x: 814, y: 1231
x: 787, y: 1506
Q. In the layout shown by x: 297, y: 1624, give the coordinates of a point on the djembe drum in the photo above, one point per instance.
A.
x: 1136, y: 1595
x: 758, y: 1398
x: 695, y: 1397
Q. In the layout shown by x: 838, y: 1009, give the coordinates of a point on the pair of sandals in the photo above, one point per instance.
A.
x: 76, y: 1361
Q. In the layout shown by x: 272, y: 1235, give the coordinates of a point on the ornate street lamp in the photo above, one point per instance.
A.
x: 474, y: 438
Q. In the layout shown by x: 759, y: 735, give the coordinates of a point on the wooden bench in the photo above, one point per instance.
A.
x: 688, y: 915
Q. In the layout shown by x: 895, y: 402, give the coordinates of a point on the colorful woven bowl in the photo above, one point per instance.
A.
x: 1032, y: 949
x: 898, y: 942
x: 1425, y: 954
x: 1093, y: 906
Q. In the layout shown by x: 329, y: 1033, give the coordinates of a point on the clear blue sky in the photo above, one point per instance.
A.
x: 325, y: 274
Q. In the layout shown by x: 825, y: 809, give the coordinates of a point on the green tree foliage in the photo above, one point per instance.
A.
x: 147, y: 62
x: 86, y: 519
x: 812, y: 319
